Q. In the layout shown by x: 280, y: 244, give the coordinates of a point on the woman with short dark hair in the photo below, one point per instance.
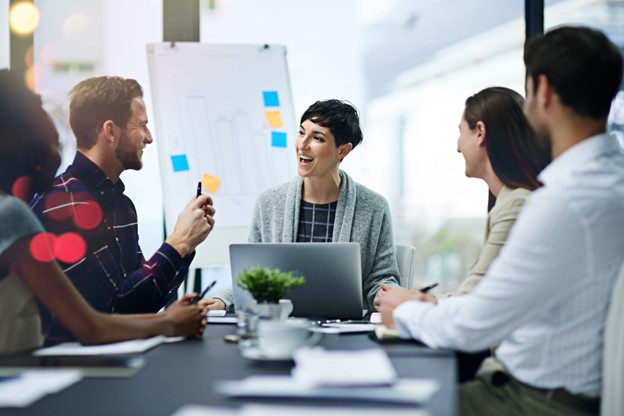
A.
x: 324, y: 204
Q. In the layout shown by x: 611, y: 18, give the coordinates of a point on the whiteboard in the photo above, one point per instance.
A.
x: 224, y: 116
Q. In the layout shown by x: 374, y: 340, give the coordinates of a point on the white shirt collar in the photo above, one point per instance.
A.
x: 577, y: 156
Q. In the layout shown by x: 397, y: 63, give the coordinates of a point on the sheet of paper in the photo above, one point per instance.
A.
x: 196, y: 410
x: 173, y: 340
x: 221, y: 319
x: 32, y: 385
x: 277, y: 410
x: 125, y: 347
x: 273, y: 410
x: 320, y: 367
x: 383, y: 332
x: 346, y: 328
x: 375, y: 318
x: 403, y: 391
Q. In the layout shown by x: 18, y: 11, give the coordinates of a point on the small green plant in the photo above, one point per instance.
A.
x: 268, y: 285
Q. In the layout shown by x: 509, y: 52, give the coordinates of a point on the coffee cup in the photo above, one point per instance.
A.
x: 286, y: 308
x: 283, y: 338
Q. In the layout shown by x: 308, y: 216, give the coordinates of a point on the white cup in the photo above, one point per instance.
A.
x: 283, y: 338
x: 286, y: 308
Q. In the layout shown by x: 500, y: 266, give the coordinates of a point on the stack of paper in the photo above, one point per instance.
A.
x: 318, y: 373
x: 320, y: 367
x: 32, y: 385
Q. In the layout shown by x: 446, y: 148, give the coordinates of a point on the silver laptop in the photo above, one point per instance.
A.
x: 333, y: 274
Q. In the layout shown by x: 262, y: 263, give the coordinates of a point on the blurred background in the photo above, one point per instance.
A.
x: 407, y: 65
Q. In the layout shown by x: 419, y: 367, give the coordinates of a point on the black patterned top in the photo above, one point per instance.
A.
x: 316, y: 222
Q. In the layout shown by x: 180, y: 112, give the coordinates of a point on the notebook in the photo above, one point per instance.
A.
x: 333, y: 273
x: 88, y: 365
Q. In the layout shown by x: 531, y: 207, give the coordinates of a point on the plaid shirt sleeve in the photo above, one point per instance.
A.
x: 113, y: 275
x: 154, y: 282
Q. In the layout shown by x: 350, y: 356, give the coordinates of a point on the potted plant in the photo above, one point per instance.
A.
x: 267, y: 287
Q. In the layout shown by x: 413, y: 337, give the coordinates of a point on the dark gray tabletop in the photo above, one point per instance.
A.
x: 184, y: 373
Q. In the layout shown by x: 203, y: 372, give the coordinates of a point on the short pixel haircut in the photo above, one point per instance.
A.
x: 340, y: 117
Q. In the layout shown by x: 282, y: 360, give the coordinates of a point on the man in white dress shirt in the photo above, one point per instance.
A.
x: 545, y: 298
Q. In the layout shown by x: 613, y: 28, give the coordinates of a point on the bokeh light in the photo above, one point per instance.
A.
x: 58, y: 206
x: 23, y: 18
x: 69, y: 247
x: 23, y: 188
x: 87, y: 215
x: 29, y: 56
x: 41, y: 247
x: 29, y: 77
x: 76, y: 25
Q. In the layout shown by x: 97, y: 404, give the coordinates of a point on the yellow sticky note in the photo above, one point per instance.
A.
x: 274, y: 118
x: 210, y: 183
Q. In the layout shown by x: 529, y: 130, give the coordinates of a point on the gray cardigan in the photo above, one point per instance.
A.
x: 362, y: 216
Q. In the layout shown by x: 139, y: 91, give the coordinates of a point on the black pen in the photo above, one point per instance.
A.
x: 428, y: 288
x: 202, y: 294
x: 199, y: 189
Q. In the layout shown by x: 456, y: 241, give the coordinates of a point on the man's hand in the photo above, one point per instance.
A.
x: 389, y: 297
x: 211, y: 304
x: 194, y: 224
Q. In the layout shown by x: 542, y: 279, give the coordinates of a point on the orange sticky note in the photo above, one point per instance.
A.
x: 210, y: 183
x: 274, y: 118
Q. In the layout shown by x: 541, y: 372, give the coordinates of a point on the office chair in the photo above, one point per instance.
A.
x: 613, y: 354
x: 406, y: 260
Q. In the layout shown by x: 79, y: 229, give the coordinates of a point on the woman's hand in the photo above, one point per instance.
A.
x: 186, y: 319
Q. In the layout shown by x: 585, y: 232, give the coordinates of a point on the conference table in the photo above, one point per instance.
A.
x: 185, y: 373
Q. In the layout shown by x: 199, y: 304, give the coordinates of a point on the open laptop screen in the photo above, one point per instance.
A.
x: 333, y: 288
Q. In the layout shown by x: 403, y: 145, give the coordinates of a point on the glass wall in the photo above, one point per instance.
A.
x: 414, y: 132
x: 407, y: 65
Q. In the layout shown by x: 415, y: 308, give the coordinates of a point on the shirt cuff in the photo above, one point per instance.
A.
x: 174, y: 257
x: 406, y: 317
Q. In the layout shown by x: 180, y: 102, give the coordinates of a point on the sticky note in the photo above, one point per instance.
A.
x: 180, y: 163
x: 274, y: 118
x: 278, y: 139
x: 271, y: 99
x: 210, y: 183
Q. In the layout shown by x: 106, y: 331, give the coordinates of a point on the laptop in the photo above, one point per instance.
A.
x: 333, y: 274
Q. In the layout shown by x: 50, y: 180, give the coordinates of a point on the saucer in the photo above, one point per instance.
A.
x: 259, y: 354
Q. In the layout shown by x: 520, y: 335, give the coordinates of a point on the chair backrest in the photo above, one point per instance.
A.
x: 613, y: 355
x: 406, y: 260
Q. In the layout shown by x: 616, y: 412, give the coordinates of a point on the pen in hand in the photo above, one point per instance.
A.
x: 203, y: 293
x: 199, y: 189
x: 428, y: 288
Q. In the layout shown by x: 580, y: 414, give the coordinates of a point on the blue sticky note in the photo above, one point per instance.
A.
x: 180, y: 163
x: 271, y: 99
x: 278, y: 139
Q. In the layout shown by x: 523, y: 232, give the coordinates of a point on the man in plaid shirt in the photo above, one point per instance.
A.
x: 109, y: 120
